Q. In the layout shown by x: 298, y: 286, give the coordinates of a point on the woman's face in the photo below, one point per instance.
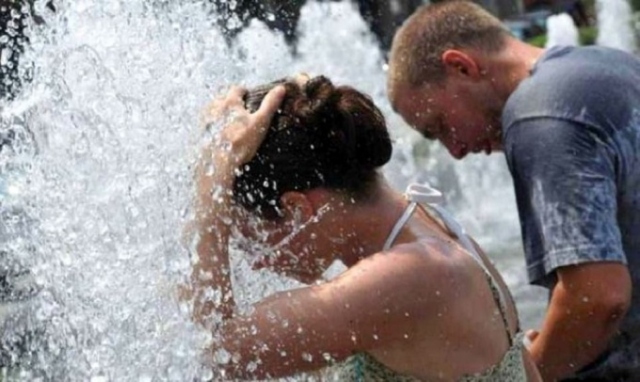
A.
x: 284, y: 246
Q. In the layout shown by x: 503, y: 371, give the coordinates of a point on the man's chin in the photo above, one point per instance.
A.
x: 495, y: 148
x: 490, y: 147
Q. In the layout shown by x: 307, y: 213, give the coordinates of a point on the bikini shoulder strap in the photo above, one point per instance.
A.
x: 432, y: 199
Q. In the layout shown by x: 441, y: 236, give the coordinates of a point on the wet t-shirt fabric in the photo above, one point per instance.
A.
x: 572, y: 142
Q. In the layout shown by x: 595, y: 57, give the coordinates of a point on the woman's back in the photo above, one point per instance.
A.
x: 466, y: 329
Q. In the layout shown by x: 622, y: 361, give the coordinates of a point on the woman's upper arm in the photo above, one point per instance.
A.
x: 309, y: 328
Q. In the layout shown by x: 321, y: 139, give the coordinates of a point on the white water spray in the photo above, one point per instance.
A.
x: 561, y: 30
x: 615, y: 25
x: 101, y: 169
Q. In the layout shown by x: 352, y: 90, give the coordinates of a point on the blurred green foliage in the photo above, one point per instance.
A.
x: 538, y: 41
x: 587, y: 36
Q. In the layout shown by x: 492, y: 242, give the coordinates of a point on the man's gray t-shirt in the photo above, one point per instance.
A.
x: 572, y: 142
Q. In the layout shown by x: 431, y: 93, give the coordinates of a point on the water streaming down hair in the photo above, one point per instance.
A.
x: 322, y: 136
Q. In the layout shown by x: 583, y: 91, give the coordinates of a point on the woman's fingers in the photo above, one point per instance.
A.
x: 301, y: 78
x: 233, y: 104
x: 246, y: 131
x: 224, y: 103
x: 268, y: 108
x: 242, y: 132
x: 234, y: 96
x: 529, y: 337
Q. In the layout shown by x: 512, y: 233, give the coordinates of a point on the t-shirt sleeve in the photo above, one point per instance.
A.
x: 564, y: 177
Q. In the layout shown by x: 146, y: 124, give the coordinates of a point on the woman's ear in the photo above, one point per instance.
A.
x: 296, y: 207
x: 459, y: 63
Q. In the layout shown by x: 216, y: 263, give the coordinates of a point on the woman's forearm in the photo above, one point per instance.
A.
x: 221, y: 157
x: 211, y: 274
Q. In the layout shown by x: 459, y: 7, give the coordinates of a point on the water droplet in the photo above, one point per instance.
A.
x: 221, y: 357
x: 225, y: 146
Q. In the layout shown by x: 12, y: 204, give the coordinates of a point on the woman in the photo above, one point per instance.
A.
x: 301, y: 174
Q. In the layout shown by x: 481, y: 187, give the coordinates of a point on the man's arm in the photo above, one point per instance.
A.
x: 565, y: 178
x: 587, y: 304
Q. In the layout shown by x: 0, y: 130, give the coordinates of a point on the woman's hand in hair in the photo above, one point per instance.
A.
x: 234, y: 144
x: 242, y: 131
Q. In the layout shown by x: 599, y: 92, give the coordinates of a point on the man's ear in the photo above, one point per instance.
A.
x: 296, y: 207
x: 459, y: 63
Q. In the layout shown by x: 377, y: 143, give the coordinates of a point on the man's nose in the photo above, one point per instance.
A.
x: 457, y: 149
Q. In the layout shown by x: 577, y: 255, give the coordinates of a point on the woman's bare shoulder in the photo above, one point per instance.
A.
x: 418, y: 270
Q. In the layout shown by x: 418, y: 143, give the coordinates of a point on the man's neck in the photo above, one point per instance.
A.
x: 513, y: 65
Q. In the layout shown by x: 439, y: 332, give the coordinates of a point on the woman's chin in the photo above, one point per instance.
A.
x: 300, y: 276
x: 305, y: 279
x: 303, y: 276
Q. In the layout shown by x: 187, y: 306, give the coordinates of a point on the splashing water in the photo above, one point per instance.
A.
x: 98, y: 178
x: 615, y: 25
x: 561, y: 30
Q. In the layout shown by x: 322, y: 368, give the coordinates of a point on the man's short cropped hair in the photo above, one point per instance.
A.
x: 418, y: 45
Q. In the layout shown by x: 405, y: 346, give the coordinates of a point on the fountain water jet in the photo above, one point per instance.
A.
x: 108, y: 134
x: 615, y: 25
x: 561, y: 30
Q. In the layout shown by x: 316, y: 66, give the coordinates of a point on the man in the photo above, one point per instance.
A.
x: 568, y: 120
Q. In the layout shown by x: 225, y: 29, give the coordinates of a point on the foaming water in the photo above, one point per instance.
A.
x: 99, y: 176
x: 561, y: 30
x: 615, y: 25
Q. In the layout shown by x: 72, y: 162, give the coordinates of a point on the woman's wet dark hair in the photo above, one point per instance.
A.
x: 322, y: 136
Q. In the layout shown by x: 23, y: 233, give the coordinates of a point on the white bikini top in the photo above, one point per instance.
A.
x: 432, y: 199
